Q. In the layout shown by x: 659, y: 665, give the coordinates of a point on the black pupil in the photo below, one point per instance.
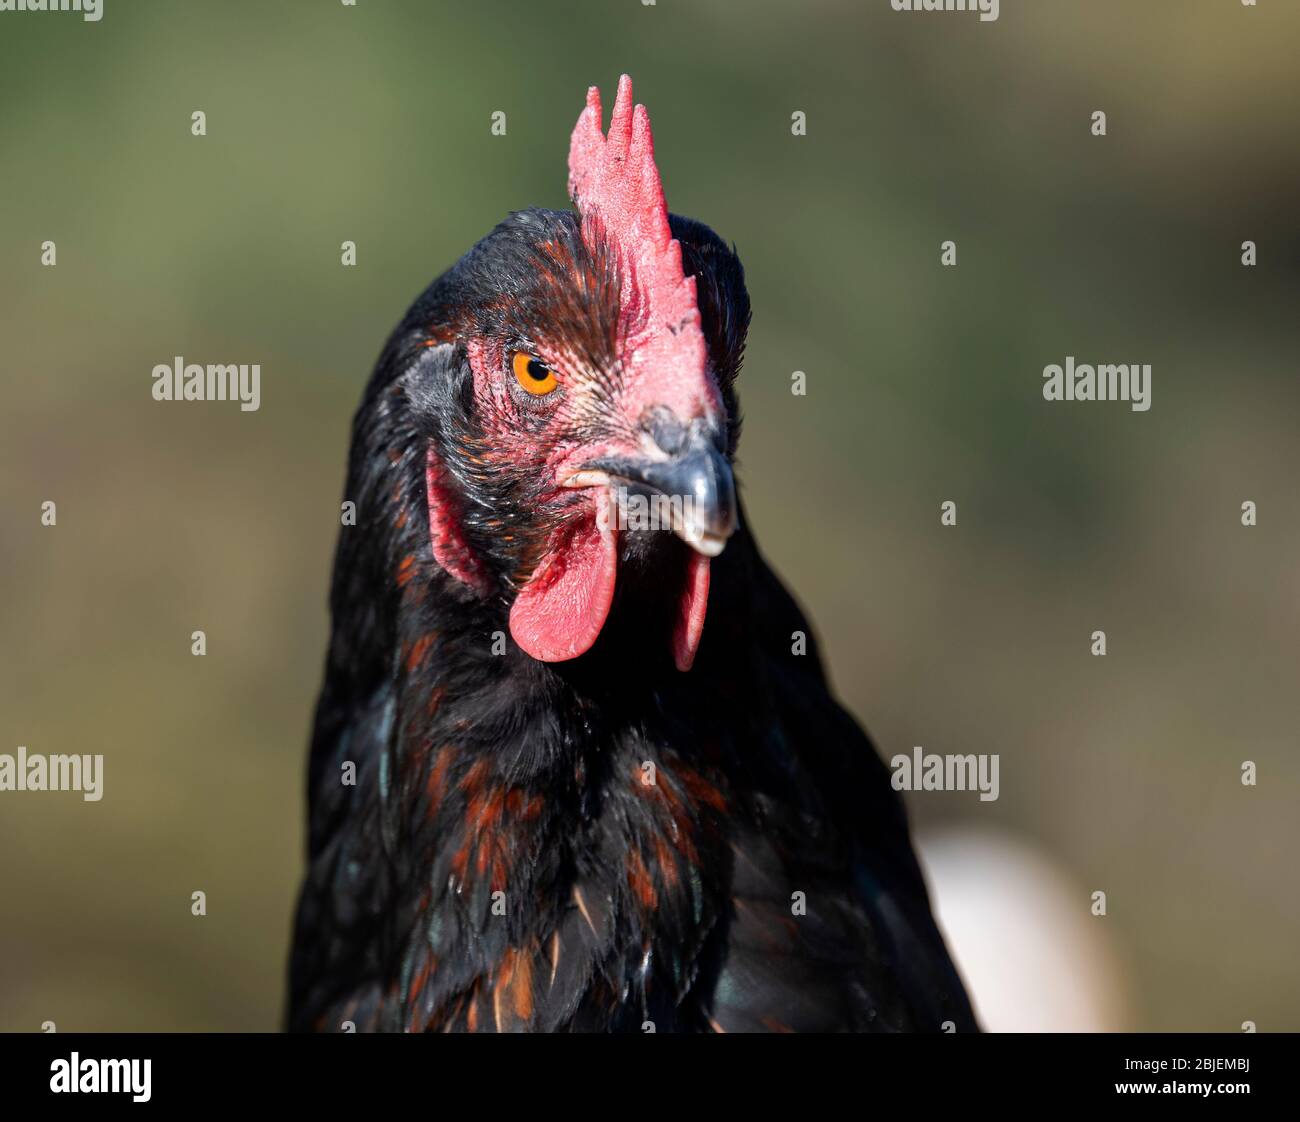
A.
x: 537, y: 371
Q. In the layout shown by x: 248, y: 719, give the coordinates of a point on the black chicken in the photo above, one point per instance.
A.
x: 543, y: 795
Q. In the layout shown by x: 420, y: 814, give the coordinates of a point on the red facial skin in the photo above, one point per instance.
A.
x: 661, y: 362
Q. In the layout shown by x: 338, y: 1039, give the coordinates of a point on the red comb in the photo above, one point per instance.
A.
x: 615, y: 184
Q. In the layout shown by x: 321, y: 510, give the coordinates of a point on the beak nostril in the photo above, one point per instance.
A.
x: 668, y: 433
x: 674, y: 437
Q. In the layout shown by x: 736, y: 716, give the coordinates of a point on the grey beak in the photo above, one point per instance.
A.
x: 697, y: 481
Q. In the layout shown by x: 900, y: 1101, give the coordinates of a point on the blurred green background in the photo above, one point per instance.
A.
x: 372, y: 123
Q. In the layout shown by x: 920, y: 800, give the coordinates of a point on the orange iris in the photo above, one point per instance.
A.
x: 533, y: 374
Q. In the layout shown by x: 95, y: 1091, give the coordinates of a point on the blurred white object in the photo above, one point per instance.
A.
x: 1032, y: 954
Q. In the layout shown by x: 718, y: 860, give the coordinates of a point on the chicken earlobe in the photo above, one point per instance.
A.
x: 450, y: 549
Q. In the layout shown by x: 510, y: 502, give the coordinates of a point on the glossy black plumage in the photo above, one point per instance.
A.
x: 482, y: 771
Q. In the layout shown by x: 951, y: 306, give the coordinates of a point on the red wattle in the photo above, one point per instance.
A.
x: 694, y: 605
x: 558, y: 614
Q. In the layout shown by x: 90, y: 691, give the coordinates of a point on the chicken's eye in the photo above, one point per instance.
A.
x: 533, y: 374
